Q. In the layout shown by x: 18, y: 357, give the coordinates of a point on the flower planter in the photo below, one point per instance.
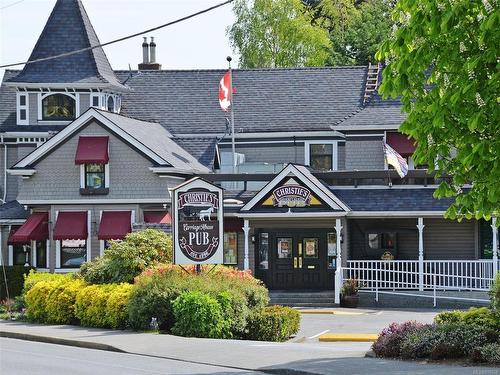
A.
x: 349, y: 301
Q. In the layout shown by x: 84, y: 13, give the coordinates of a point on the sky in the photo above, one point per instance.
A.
x: 198, y: 43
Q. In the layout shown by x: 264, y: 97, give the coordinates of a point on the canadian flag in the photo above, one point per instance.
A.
x: 225, y: 92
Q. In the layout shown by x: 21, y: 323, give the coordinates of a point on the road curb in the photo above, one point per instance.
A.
x: 60, y: 341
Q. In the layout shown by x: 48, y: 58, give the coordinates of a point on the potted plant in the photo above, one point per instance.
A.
x: 349, y: 293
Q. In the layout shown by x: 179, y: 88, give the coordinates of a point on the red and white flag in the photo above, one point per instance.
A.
x: 225, y: 91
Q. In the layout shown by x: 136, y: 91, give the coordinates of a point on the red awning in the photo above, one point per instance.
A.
x: 92, y: 150
x: 35, y: 228
x: 401, y: 143
x: 157, y: 217
x: 71, y: 226
x: 115, y: 225
x: 13, y: 230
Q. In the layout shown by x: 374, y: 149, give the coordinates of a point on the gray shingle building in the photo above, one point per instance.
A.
x: 85, y: 149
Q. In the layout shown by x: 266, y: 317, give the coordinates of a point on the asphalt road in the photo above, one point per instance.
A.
x: 19, y: 357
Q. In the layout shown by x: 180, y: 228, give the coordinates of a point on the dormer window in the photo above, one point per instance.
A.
x: 111, y: 104
x: 58, y: 107
x: 92, y: 156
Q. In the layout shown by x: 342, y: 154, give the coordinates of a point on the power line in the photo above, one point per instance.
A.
x: 10, y: 5
x: 121, y: 39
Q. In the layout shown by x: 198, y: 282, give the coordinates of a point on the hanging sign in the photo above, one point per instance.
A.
x: 198, y: 223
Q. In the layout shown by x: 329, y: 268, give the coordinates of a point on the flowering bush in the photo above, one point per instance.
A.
x: 389, y: 341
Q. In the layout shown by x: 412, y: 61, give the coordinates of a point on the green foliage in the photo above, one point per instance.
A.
x: 495, y: 294
x: 103, y: 305
x: 273, y: 323
x: 34, y: 277
x: 482, y: 317
x: 277, y: 33
x: 156, y: 289
x: 198, y: 314
x: 389, y: 341
x: 490, y: 353
x: 350, y: 287
x: 443, y: 65
x: 15, y: 280
x: 126, y: 259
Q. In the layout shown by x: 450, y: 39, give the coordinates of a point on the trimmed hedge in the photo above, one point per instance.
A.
x: 495, y: 294
x: 273, y: 323
x: 476, y: 316
x: 15, y: 280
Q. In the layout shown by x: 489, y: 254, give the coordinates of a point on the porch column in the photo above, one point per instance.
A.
x: 246, y: 230
x: 495, y: 245
x: 420, y: 227
x: 338, y: 271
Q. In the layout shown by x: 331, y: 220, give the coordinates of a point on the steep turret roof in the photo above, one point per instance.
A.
x: 67, y: 29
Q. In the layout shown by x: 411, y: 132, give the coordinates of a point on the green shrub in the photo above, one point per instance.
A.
x: 495, y: 294
x: 490, y: 353
x: 273, y: 323
x: 15, y: 280
x: 103, y: 305
x: 60, y: 303
x: 124, y: 260
x: 198, y: 314
x: 477, y: 316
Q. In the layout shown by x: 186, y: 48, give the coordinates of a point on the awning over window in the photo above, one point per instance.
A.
x: 35, y: 228
x: 401, y: 143
x: 92, y: 150
x: 115, y: 225
x: 71, y: 226
x: 157, y: 217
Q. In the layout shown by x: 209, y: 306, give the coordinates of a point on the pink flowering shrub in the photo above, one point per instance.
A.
x: 390, y: 339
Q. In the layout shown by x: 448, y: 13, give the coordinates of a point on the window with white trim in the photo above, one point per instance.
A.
x: 94, y: 176
x: 58, y: 107
x: 73, y: 253
x: 321, y: 155
x: 22, y: 108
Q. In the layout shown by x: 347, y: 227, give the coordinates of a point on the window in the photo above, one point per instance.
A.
x: 230, y: 248
x: 22, y: 108
x: 321, y: 156
x: 284, y: 248
x: 332, y: 250
x: 382, y: 241
x: 21, y: 255
x: 58, y: 107
x: 95, y: 101
x: 95, y: 176
x: 73, y: 253
x: 111, y: 104
x: 310, y: 247
x: 41, y: 254
x: 263, y: 251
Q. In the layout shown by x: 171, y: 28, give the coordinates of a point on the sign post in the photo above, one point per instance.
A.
x: 198, y: 223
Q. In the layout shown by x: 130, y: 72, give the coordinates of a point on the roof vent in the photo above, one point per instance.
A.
x: 149, y: 56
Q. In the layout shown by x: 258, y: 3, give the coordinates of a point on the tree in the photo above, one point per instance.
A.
x: 277, y: 33
x: 442, y: 61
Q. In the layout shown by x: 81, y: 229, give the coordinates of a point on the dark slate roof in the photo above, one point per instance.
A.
x: 266, y: 100
x: 12, y: 210
x: 392, y: 199
x: 377, y: 112
x: 203, y: 149
x: 67, y: 29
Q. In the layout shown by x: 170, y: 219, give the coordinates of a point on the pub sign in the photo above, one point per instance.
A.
x: 198, y: 223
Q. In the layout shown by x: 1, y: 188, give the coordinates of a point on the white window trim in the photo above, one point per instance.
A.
x: 33, y: 253
x: 75, y: 96
x: 335, y: 156
x: 11, y: 255
x: 106, y: 175
x: 88, y: 245
x: 34, y: 256
x: 25, y: 107
x: 99, y: 100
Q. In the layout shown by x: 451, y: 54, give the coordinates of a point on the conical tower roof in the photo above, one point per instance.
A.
x: 67, y: 29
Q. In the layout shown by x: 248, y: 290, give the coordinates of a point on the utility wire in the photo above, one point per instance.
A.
x: 121, y: 39
x: 10, y: 5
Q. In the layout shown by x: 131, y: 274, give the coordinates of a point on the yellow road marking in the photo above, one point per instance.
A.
x: 333, y: 312
x: 354, y: 337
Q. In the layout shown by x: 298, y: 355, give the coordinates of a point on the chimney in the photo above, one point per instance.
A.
x: 149, y: 56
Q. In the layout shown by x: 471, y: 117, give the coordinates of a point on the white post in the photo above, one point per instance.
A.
x: 338, y: 271
x: 246, y: 230
x: 420, y: 227
x: 495, y: 245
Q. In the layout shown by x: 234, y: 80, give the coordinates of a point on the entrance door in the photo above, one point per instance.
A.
x: 299, y: 260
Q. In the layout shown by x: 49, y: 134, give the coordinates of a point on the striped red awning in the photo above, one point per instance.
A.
x: 115, y: 225
x: 71, y: 226
x: 35, y: 228
x: 92, y: 150
x: 401, y: 143
x: 157, y: 217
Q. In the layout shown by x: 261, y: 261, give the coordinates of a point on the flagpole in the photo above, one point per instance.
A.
x: 232, y: 112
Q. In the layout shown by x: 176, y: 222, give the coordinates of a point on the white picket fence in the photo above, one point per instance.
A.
x: 445, y: 275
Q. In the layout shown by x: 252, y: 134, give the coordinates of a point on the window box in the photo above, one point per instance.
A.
x: 91, y: 191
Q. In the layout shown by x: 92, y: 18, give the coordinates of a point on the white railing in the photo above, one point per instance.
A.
x: 446, y: 275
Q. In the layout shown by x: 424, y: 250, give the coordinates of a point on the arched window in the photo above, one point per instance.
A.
x: 111, y: 104
x: 58, y: 107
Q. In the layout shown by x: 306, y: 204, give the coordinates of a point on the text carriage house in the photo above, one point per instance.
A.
x: 89, y: 154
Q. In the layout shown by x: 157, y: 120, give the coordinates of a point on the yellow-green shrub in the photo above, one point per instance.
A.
x: 60, y: 303
x: 36, y: 300
x: 103, y: 305
x: 34, y: 277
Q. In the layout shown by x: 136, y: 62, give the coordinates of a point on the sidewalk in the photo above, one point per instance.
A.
x: 281, y: 358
